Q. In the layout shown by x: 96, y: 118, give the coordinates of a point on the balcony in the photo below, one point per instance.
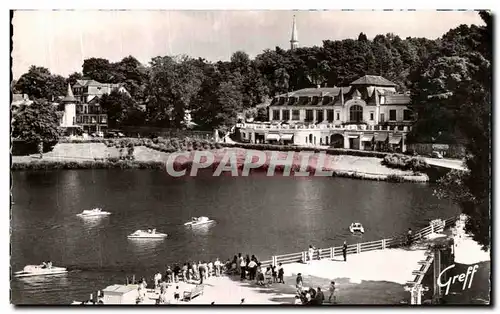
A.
x: 323, y: 126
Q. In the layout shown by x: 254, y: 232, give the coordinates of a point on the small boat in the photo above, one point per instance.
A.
x: 197, y: 221
x: 40, y: 270
x: 93, y: 213
x: 356, y: 227
x: 149, y: 234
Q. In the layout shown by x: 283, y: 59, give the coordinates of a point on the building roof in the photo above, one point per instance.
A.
x: 121, y: 289
x: 373, y: 80
x: 83, y: 83
x: 397, y: 99
x: 321, y: 91
x: 69, y: 95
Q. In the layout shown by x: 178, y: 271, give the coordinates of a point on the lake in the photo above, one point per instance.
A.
x: 257, y: 215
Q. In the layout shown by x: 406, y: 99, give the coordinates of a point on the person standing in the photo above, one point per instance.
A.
x: 196, y: 274
x: 163, y: 285
x: 299, y: 282
x: 242, y: 268
x: 409, y: 236
x: 201, y: 270
x: 344, y: 251
x: 217, y: 265
x: 281, y: 274
x: 332, y: 292
x: 210, y: 267
x: 239, y: 262
x: 177, y: 271
x: 310, y: 253
x: 169, y: 274
x: 157, y: 279
x: 252, y: 269
x: 320, y: 297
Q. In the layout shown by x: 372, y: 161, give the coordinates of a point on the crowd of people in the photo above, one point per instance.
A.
x: 247, y: 268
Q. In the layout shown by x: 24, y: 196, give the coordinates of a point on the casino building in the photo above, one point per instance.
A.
x: 367, y: 115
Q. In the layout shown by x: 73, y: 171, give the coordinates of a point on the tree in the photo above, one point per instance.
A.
x: 34, y: 82
x: 72, y: 78
x: 261, y: 114
x: 56, y: 86
x: 173, y: 84
x: 229, y: 101
x: 98, y: 69
x: 472, y: 96
x: 362, y: 37
x: 39, y: 83
x: 117, y: 105
x: 37, y: 123
x: 134, y: 76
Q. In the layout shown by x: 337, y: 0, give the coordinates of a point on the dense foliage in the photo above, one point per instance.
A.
x: 215, y: 92
x: 36, y: 123
x: 466, y: 91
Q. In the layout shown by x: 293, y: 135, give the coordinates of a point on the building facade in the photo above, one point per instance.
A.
x: 367, y: 115
x: 82, y: 109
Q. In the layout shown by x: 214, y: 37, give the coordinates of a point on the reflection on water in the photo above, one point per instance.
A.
x: 201, y: 229
x: 145, y: 246
x: 93, y: 222
x: 44, y: 281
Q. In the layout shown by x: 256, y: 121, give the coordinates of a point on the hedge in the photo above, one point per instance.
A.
x: 403, y: 162
x: 330, y: 151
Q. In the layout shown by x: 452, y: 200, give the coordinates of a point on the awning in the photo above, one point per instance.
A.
x: 287, y: 137
x: 272, y: 137
x: 367, y: 138
x: 381, y: 137
x: 395, y: 139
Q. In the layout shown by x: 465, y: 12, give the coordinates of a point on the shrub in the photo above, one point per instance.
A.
x: 403, y: 162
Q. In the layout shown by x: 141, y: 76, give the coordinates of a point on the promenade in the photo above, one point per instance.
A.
x: 359, y: 280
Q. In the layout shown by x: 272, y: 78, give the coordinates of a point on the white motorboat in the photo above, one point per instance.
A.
x: 197, y: 221
x: 93, y: 213
x: 147, y: 234
x: 356, y: 227
x: 40, y: 270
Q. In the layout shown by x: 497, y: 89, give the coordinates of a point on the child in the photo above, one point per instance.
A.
x: 275, y: 274
x: 268, y: 275
x: 177, y: 294
x: 297, y: 300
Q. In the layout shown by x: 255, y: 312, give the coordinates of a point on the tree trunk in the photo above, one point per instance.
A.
x: 40, y: 149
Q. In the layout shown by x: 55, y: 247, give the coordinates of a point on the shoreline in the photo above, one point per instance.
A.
x: 46, y: 165
x: 99, y: 156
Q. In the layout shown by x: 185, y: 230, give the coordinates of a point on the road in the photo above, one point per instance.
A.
x: 447, y: 163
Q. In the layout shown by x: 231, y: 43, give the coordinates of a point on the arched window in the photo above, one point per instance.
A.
x: 356, y: 113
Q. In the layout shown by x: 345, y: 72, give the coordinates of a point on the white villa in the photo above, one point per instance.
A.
x: 367, y: 115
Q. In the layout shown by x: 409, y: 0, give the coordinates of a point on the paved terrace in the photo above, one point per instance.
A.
x: 359, y: 281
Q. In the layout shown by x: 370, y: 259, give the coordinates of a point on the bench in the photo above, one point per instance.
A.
x: 196, y: 291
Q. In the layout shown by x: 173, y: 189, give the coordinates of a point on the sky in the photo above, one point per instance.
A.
x: 61, y: 40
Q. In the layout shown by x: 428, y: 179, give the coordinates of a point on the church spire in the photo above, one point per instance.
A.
x: 294, y: 42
